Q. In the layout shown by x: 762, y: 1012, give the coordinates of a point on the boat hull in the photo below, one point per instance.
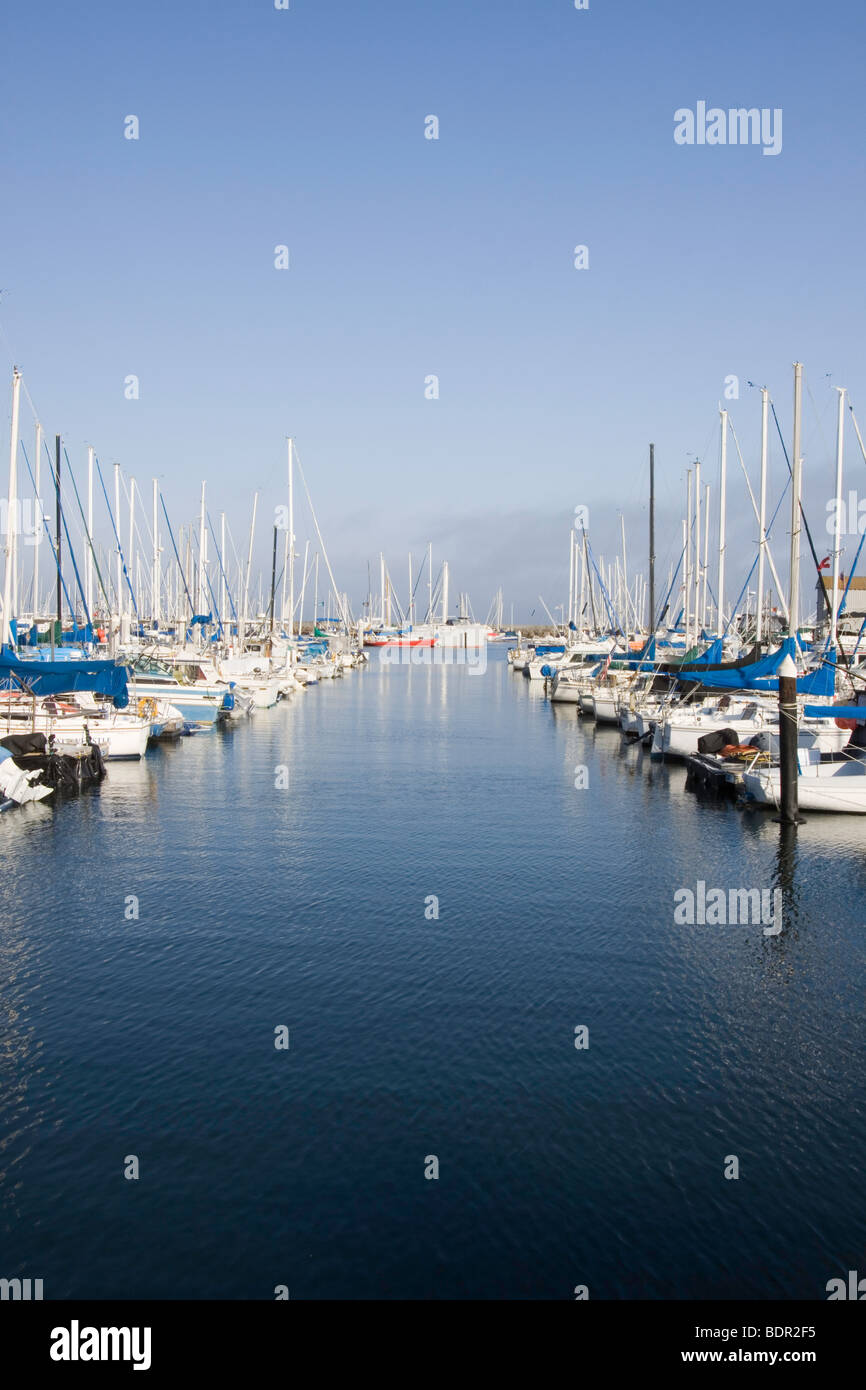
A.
x: 830, y: 787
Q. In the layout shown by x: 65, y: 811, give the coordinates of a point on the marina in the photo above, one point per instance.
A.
x: 409, y: 1035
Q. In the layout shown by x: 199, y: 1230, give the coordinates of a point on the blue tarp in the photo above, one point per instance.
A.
x: 710, y: 657
x: 761, y: 675
x: 64, y: 677
x: 835, y: 712
x: 78, y: 634
x: 649, y: 651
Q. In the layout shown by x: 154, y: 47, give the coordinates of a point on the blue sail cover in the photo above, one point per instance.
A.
x: 78, y: 634
x: 64, y: 677
x: 857, y: 712
x: 710, y: 657
x: 761, y: 675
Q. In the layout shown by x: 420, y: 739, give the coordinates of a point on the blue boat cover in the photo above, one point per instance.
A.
x: 836, y: 712
x: 761, y: 675
x: 64, y: 677
x: 78, y: 634
x: 710, y: 657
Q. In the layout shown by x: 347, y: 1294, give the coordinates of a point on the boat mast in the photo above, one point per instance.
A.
x: 723, y: 502
x: 249, y: 566
x: 624, y: 575
x: 840, y: 449
x: 762, y: 519
x: 154, y: 606
x: 273, y: 584
x: 223, y: 573
x: 13, y: 500
x: 89, y: 567
x: 797, y: 479
x: 706, y: 554
x: 202, y: 557
x: 688, y: 570
x: 38, y: 543
x: 581, y: 603
x: 303, y: 589
x: 285, y: 578
x: 58, y: 522
x: 697, y: 614
x: 591, y: 585
x: 129, y: 569
x: 652, y: 541
x: 291, y: 538
x: 119, y: 597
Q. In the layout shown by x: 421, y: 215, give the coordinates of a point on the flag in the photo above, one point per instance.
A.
x: 825, y: 563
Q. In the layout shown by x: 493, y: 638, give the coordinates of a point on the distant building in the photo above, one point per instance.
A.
x: 855, y: 599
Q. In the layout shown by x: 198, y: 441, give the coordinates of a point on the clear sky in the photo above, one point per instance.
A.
x: 411, y: 257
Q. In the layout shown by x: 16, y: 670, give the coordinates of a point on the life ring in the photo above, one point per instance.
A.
x: 146, y: 707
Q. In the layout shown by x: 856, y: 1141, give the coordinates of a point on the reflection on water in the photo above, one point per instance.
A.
x: 261, y: 905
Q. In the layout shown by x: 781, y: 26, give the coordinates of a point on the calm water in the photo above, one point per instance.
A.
x: 410, y: 1037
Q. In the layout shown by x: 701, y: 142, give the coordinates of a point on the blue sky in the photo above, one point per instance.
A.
x: 412, y: 257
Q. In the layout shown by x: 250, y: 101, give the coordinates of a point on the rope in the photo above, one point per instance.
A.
x: 821, y: 588
x: 176, y: 556
x: 117, y: 538
x: 222, y: 570
x: 338, y: 596
x: 84, y: 524
x: 69, y: 602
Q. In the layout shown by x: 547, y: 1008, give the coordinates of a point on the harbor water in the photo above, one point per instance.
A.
x: 431, y: 878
